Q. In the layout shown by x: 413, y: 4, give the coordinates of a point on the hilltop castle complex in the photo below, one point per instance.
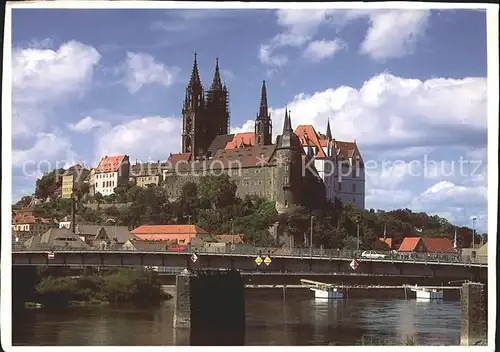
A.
x: 283, y: 170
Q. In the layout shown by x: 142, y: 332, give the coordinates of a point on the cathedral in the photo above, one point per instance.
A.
x: 254, y: 163
x: 267, y: 169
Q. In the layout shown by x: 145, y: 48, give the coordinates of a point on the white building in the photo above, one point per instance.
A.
x: 338, y: 163
x: 111, y: 172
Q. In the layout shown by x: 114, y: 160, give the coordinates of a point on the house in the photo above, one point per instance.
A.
x: 112, y: 171
x: 136, y: 244
x: 30, y: 225
x: 144, y: 174
x: 97, y: 235
x: 182, y: 234
x: 55, y: 238
x: 73, y: 178
x: 426, y: 245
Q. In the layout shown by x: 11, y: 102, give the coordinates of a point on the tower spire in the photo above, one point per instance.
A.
x: 328, y: 131
x: 195, y: 76
x: 216, y: 83
x: 263, y: 112
x: 287, y: 124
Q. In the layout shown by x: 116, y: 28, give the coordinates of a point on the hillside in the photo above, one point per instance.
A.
x: 213, y: 205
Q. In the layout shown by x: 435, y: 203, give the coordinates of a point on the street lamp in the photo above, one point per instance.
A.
x: 232, y: 231
x: 473, y: 231
x: 357, y: 234
x: 311, y: 237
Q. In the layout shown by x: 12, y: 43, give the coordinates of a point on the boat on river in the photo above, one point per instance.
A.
x: 425, y: 293
x: 324, y: 291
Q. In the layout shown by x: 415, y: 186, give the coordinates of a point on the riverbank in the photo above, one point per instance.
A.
x: 53, y: 289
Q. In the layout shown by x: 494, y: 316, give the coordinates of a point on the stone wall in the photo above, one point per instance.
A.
x: 212, y: 305
x: 473, y: 321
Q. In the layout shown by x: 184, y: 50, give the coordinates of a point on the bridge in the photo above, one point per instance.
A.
x: 292, y: 262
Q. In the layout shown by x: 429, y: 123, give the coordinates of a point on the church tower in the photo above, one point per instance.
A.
x: 289, y: 168
x: 217, y: 108
x: 192, y: 114
x: 263, y: 125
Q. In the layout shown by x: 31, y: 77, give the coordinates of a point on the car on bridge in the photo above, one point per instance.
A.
x: 372, y: 254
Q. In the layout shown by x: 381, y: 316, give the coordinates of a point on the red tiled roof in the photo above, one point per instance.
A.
x: 30, y: 219
x: 175, y: 158
x: 190, y: 230
x: 110, y: 163
x: 387, y: 241
x: 308, y: 137
x: 409, y: 244
x: 440, y: 245
x: 241, y: 139
x: 228, y: 238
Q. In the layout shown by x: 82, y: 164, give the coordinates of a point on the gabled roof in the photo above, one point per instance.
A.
x: 150, y: 245
x: 110, y: 163
x: 120, y: 232
x: 241, y: 140
x: 228, y: 238
x: 219, y: 142
x: 190, y: 230
x: 440, y: 245
x: 56, y: 238
x: 436, y: 245
x: 309, y: 138
x: 175, y: 158
x: 409, y: 244
x: 387, y: 241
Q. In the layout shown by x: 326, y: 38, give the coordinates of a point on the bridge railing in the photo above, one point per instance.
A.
x: 302, y: 253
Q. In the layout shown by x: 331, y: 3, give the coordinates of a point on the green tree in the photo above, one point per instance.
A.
x: 217, y: 191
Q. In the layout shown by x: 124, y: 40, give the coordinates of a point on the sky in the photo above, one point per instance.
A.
x: 408, y: 85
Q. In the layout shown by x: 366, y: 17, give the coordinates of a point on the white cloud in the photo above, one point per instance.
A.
x: 389, y: 111
x: 44, y: 77
x: 87, y: 124
x: 394, y: 33
x: 266, y: 56
x: 299, y: 28
x: 142, y: 69
x: 47, y: 148
x: 321, y: 49
x: 144, y: 138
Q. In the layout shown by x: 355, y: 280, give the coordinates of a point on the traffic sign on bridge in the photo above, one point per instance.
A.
x: 258, y: 260
x: 354, y: 264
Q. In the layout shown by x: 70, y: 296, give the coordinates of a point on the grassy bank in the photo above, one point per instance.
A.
x: 98, y: 288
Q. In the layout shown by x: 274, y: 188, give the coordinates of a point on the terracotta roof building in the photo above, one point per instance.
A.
x: 181, y: 234
x: 29, y: 225
x: 339, y: 164
x: 426, y: 244
x: 111, y: 172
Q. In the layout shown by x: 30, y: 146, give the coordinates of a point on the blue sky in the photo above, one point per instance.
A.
x: 408, y: 85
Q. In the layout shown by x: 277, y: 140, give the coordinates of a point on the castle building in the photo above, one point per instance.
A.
x: 338, y: 163
x: 253, y: 162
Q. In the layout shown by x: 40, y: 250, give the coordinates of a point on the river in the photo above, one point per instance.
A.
x: 271, y: 320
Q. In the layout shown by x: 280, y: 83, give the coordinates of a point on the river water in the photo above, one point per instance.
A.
x: 271, y: 320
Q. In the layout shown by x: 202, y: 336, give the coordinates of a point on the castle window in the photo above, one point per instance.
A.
x: 285, y: 180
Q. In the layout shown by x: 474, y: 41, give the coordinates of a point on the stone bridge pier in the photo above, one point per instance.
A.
x: 209, y: 308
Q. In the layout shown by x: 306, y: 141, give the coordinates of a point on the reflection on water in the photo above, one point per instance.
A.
x: 270, y: 321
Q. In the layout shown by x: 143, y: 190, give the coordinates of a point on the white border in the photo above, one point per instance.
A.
x: 493, y: 97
